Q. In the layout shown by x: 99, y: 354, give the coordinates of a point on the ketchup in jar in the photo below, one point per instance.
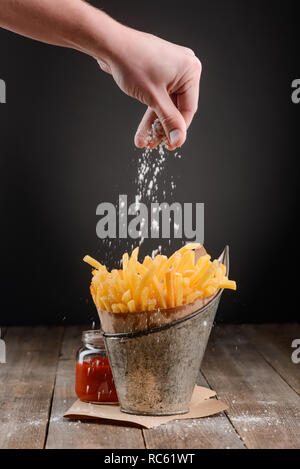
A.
x: 94, y: 379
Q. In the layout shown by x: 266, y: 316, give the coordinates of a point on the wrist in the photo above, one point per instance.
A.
x: 96, y: 34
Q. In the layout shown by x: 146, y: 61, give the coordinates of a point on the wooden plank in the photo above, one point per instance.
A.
x: 215, y: 432
x: 66, y: 433
x: 262, y: 406
x: 27, y: 382
x: 274, y: 341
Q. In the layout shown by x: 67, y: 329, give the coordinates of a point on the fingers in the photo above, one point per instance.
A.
x: 188, y: 96
x: 104, y: 66
x: 187, y: 103
x: 175, y: 112
x: 171, y: 119
x: 141, y: 138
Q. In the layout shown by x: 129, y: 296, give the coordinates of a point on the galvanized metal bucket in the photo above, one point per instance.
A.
x: 155, y: 370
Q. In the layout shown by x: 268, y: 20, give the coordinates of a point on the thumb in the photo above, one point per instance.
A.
x: 104, y: 66
x: 171, y: 119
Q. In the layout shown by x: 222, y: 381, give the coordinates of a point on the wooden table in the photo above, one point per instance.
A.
x: 249, y: 366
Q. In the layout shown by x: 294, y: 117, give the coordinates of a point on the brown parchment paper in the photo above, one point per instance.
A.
x: 201, y: 406
x: 128, y: 322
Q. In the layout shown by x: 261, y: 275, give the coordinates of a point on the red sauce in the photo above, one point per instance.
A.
x: 94, y: 381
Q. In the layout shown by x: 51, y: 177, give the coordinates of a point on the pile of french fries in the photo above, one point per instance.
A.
x: 158, y: 282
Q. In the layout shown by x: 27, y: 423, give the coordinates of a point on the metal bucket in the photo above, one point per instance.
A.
x: 155, y: 371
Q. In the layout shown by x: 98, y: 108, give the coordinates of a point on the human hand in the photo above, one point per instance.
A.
x: 160, y: 74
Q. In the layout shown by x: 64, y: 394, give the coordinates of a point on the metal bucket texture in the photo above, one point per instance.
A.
x: 155, y: 370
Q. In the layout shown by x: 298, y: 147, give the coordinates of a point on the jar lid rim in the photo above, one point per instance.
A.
x: 92, y: 336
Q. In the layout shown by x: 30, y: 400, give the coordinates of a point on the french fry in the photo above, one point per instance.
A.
x: 186, y: 282
x: 189, y: 246
x: 106, y: 303
x: 196, y: 277
x: 160, y: 292
x: 131, y: 276
x: 161, y: 268
x: 202, y: 260
x: 160, y: 282
x: 131, y: 306
x: 100, y: 304
x: 125, y: 261
x: 151, y: 304
x: 194, y: 296
x: 206, y: 273
x: 176, y: 261
x: 126, y: 296
x: 170, y: 288
x: 144, y: 298
x: 219, y: 274
x: 168, y: 264
x: 141, y: 269
x: 178, y: 289
x: 147, y: 261
x: 89, y: 260
x: 187, y: 261
x: 231, y: 284
x: 123, y: 308
x: 209, y: 290
x: 188, y: 273
x: 134, y: 254
x: 208, y: 277
x: 145, y: 280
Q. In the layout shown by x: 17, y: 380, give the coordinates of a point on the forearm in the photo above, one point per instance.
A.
x: 68, y: 23
x: 145, y: 67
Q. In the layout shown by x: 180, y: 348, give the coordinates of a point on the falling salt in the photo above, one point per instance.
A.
x: 150, y: 170
x: 156, y: 251
x: 155, y: 225
x: 152, y: 185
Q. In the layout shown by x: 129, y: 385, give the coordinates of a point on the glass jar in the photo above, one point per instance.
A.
x: 94, y: 379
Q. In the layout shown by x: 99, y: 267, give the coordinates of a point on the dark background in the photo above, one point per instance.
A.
x: 66, y: 144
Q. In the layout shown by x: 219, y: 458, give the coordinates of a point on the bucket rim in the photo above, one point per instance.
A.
x: 224, y: 257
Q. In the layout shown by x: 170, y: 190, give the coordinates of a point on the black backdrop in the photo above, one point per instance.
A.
x: 67, y: 144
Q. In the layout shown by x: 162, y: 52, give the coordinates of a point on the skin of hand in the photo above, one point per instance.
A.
x: 162, y: 75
